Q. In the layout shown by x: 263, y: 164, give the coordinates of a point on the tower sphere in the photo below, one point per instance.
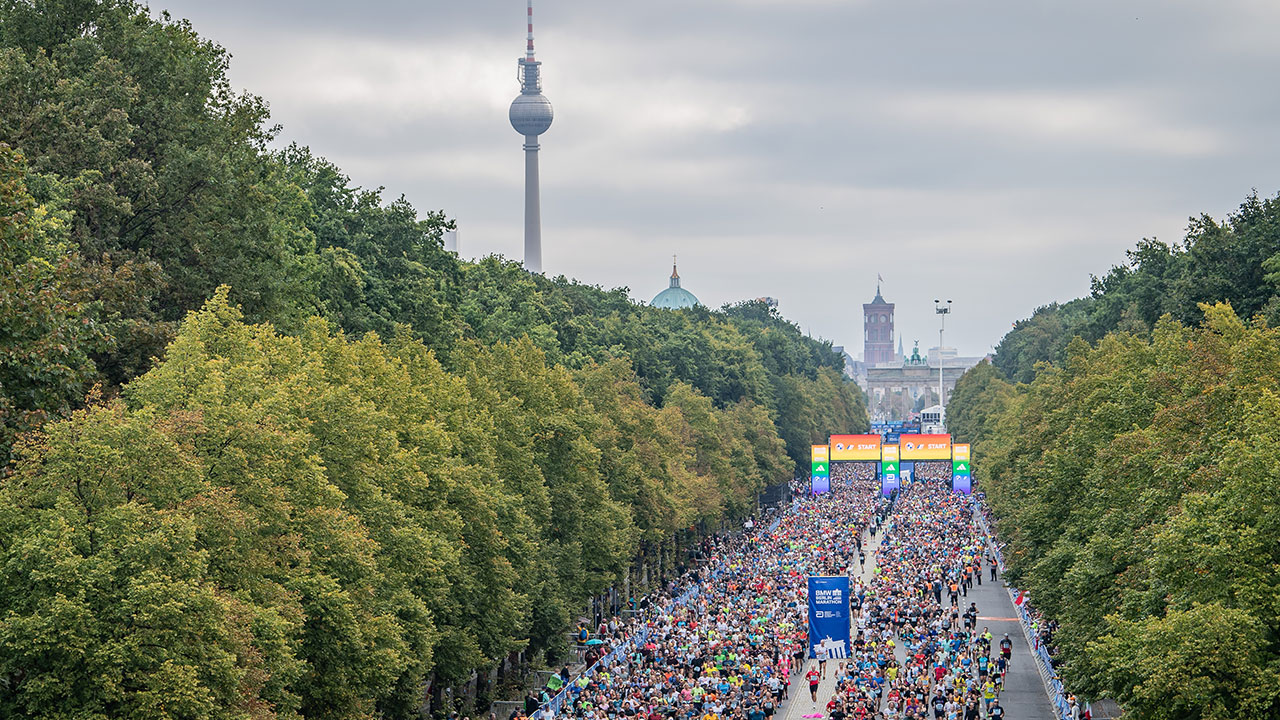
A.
x: 531, y: 114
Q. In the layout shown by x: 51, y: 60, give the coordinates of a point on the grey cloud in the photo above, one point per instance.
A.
x: 994, y: 152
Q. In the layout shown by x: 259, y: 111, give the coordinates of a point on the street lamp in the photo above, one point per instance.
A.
x: 944, y: 311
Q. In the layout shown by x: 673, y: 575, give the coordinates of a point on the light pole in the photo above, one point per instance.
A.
x: 942, y: 310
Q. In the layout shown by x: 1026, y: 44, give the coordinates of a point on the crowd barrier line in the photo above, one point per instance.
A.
x: 1053, y: 687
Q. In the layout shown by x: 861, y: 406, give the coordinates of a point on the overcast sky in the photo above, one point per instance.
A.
x: 994, y: 153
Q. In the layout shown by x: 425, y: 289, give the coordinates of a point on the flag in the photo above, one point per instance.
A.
x: 878, y: 278
x: 1022, y: 597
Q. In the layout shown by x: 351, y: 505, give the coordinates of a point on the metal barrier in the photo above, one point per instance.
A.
x: 790, y: 508
x: 1044, y: 664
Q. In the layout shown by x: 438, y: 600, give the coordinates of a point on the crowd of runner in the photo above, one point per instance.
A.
x: 933, y: 470
x: 731, y: 650
x: 920, y: 652
x: 848, y: 472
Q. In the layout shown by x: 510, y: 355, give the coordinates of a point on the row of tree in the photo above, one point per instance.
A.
x: 153, y: 186
x: 1235, y: 261
x: 269, y: 451
x: 270, y: 525
x: 1136, y: 482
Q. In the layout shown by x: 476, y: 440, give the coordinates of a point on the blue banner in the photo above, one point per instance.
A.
x: 829, y: 617
x: 889, y: 481
x: 821, y: 483
x: 906, y: 471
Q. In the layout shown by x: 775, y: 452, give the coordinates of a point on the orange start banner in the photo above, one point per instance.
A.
x: 855, y: 447
x: 925, y: 447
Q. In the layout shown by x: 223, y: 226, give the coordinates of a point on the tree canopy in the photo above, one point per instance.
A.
x: 1136, y: 487
x: 269, y: 451
x: 1129, y: 465
x: 152, y: 183
x: 1236, y: 261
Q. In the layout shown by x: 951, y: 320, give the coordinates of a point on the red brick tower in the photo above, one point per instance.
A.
x: 877, y: 331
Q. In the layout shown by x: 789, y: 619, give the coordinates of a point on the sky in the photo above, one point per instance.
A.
x: 993, y: 153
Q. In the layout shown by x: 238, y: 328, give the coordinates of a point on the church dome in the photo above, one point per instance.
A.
x: 674, y: 297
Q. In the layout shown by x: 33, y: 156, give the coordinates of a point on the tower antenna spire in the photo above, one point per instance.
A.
x: 531, y: 115
x: 529, y: 52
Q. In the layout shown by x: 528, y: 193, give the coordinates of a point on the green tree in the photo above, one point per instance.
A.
x: 1132, y: 485
x: 47, y: 316
x: 352, y: 464
x: 1232, y: 261
x: 979, y: 396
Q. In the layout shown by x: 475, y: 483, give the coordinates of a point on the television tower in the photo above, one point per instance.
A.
x: 531, y: 116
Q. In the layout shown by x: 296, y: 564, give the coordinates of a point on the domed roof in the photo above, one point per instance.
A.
x: 674, y: 297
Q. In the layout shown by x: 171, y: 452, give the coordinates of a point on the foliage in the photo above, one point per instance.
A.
x: 46, y: 315
x: 268, y: 451
x: 166, y: 190
x: 322, y: 521
x: 1235, y: 261
x: 980, y: 395
x: 1130, y: 468
x: 1136, y: 486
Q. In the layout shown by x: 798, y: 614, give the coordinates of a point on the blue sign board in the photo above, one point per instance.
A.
x: 829, y: 617
x: 889, y: 481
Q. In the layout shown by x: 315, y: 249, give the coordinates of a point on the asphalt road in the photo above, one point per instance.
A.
x: 1023, y: 697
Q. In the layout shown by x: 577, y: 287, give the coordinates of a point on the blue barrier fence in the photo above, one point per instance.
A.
x: 791, y: 506
x: 1044, y: 664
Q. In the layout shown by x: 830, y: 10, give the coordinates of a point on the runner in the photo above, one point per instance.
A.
x: 725, y: 641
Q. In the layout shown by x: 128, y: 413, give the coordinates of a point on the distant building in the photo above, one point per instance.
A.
x: 916, y: 377
x: 877, y: 331
x: 674, y: 297
x: 531, y: 115
x: 933, y: 419
x: 948, y: 355
x: 858, y: 371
